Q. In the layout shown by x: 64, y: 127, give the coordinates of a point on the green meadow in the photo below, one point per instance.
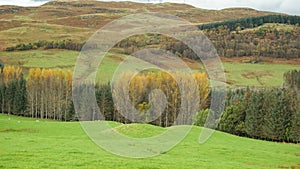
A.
x: 237, y: 74
x: 262, y: 74
x: 32, y: 143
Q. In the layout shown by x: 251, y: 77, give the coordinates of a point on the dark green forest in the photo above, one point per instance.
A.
x: 251, y: 22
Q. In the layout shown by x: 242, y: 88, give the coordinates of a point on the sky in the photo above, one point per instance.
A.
x: 291, y: 7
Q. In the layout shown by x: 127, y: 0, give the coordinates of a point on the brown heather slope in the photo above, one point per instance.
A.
x: 78, y: 20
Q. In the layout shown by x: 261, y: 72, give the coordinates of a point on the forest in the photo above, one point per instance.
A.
x: 262, y: 113
x: 251, y: 22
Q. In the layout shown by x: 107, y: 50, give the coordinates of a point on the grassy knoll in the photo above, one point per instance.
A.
x: 31, y: 143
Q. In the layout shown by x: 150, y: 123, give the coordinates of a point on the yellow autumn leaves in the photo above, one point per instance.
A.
x: 173, y: 93
x: 49, y: 93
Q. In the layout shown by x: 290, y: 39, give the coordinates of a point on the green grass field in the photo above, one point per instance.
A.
x: 237, y: 74
x: 62, y: 59
x: 31, y: 143
x: 246, y: 74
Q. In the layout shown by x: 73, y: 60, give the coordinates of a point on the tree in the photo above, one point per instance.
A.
x: 233, y: 120
x: 254, y: 120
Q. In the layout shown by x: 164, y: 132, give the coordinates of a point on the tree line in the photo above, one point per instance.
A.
x: 266, y: 41
x: 232, y: 39
x: 144, y: 98
x: 251, y: 22
x: 49, y: 94
x: 261, y: 113
x: 45, y: 94
x: 64, y: 44
x: 265, y: 114
x: 273, y: 41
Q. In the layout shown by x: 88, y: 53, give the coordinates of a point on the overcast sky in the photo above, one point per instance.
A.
x: 283, y: 6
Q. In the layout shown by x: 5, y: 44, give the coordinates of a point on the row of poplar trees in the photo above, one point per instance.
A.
x: 131, y: 101
x: 47, y: 93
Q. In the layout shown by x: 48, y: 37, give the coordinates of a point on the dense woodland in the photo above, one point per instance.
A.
x: 267, y: 41
x: 141, y: 95
x: 271, y: 114
x: 235, y: 38
x: 264, y: 113
x: 45, y: 94
x: 251, y: 22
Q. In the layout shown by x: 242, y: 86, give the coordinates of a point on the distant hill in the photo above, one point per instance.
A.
x: 59, y: 22
x: 77, y: 20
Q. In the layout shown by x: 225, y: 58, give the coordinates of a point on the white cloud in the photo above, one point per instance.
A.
x: 283, y: 6
x: 22, y: 2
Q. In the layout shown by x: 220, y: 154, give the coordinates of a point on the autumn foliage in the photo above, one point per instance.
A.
x: 49, y: 93
x: 159, y: 97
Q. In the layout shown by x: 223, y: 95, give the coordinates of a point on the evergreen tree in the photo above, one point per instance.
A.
x: 254, y: 120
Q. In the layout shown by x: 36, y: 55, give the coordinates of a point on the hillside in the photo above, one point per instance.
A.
x: 62, y: 23
x: 78, y: 20
x: 31, y: 143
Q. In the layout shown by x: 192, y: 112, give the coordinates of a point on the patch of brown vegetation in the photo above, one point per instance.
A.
x: 5, y: 25
x: 294, y: 166
x: 116, y: 58
x: 230, y: 82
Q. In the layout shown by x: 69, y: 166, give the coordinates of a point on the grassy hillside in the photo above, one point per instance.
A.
x: 78, y: 20
x: 31, y: 143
